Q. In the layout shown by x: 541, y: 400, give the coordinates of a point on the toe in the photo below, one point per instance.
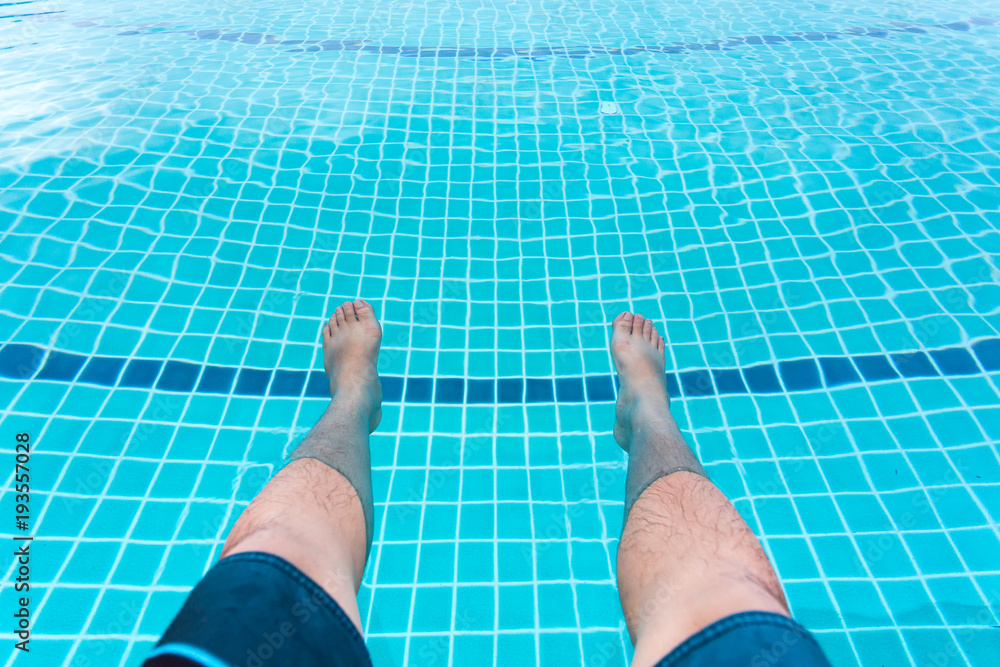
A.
x: 660, y: 344
x: 622, y: 323
x: 647, y: 330
x: 327, y: 330
x: 364, y: 310
x: 637, y: 323
x: 349, y: 312
x: 339, y: 316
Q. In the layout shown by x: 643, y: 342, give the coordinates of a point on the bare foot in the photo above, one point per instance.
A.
x: 637, y: 350
x: 350, y: 351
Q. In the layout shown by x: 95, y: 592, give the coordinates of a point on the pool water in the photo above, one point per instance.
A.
x: 806, y: 199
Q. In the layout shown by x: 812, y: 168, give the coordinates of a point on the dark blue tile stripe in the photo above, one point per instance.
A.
x: 178, y: 376
x: 541, y: 51
x: 838, y: 371
x: 105, y: 371
x: 800, y: 374
x: 449, y: 390
x: 25, y: 362
x: 599, y: 388
x: 20, y: 362
x: 696, y: 383
x: 61, y: 366
x: 288, y: 383
x: 418, y: 390
x: 215, y: 380
x: 140, y: 373
x: 729, y: 381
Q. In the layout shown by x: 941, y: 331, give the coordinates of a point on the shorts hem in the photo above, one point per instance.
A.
x: 302, y: 579
x: 727, y: 624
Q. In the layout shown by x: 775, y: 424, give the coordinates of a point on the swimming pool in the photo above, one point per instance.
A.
x: 804, y: 198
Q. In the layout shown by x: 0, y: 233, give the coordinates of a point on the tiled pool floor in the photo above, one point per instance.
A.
x: 803, y: 198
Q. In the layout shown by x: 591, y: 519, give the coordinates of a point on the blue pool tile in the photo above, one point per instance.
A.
x: 599, y: 388
x: 318, y: 385
x: 793, y: 559
x: 510, y: 390
x: 61, y: 366
x: 103, y: 371
x: 480, y: 391
x: 875, y: 367
x: 762, y: 379
x: 252, y: 382
x: 879, y: 647
x: 538, y: 390
x: 400, y: 562
x: 216, y: 380
x: 20, y: 361
x: 178, y: 376
x: 673, y: 387
x: 886, y: 555
x: 516, y: 608
x: 556, y: 608
x: 978, y: 547
x: 859, y: 599
x: 729, y: 381
x: 838, y: 371
x: 955, y: 361
x: 697, y: 383
x: 910, y: 603
x: 289, y: 383
x: 475, y: 606
x: 449, y: 390
x: 419, y: 390
x: 557, y: 648
x: 392, y: 387
x: 512, y: 649
x: 799, y: 374
x: 914, y: 364
x: 435, y: 559
x: 988, y: 352
x: 569, y: 390
x: 140, y: 373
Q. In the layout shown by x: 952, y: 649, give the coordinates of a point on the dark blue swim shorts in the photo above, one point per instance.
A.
x: 256, y: 609
x: 749, y: 639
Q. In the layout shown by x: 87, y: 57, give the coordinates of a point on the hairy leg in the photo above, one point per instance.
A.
x: 686, y: 557
x: 317, y: 511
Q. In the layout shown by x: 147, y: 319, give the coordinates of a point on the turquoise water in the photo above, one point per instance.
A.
x: 805, y: 199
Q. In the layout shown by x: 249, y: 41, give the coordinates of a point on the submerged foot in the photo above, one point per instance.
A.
x: 637, y: 350
x: 350, y: 351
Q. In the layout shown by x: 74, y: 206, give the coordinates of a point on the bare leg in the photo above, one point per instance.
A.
x: 317, y: 511
x: 686, y: 557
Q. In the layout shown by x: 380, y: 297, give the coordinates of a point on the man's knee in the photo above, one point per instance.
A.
x: 261, y: 524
